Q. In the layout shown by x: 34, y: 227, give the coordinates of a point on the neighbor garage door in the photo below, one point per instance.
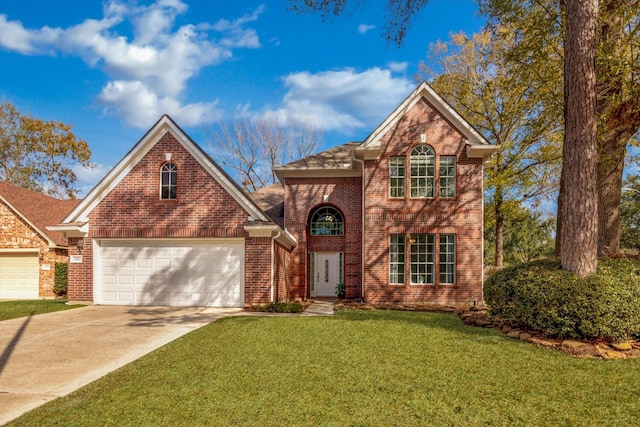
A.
x: 19, y: 275
x: 167, y: 272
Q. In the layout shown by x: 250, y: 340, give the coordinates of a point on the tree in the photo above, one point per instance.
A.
x: 579, y: 240
x: 630, y: 213
x: 40, y: 155
x: 527, y: 235
x: 538, y: 26
x: 252, y: 148
x: 399, y: 13
x: 505, y: 107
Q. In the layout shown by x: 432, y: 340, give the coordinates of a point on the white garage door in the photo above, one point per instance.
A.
x: 167, y: 272
x: 19, y: 276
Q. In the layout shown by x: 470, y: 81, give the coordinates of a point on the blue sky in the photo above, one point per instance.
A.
x: 112, y: 68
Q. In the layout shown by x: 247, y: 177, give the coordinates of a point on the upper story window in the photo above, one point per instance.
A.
x: 422, y: 171
x: 169, y: 181
x: 397, y: 166
x: 447, y: 176
x: 327, y: 221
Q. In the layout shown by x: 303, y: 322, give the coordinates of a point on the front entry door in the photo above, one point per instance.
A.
x: 326, y: 273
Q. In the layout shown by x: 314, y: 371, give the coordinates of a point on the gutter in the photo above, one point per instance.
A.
x: 273, y: 267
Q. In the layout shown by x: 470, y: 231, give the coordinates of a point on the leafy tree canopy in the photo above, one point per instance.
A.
x: 40, y: 155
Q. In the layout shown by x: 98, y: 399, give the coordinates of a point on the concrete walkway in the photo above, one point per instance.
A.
x: 50, y: 355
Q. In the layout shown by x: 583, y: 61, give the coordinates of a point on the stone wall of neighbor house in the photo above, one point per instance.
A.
x: 17, y: 234
x: 203, y: 209
x: 461, y: 215
x: 302, y: 197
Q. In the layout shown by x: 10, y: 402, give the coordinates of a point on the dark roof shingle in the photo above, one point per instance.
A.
x: 38, y: 209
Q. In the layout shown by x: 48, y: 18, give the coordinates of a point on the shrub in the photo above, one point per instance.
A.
x: 278, y: 307
x: 541, y: 297
x: 60, y: 278
x: 341, y: 290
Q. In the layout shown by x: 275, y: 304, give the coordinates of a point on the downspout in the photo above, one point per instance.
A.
x: 361, y: 227
x: 273, y: 267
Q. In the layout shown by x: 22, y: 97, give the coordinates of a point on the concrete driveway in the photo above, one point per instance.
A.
x: 50, y: 355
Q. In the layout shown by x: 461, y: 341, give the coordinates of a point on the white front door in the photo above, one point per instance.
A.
x: 326, y: 273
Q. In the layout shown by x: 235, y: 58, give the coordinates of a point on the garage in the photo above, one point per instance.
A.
x: 19, y: 276
x: 168, y: 272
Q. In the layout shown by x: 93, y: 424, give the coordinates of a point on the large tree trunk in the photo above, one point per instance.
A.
x: 618, y: 110
x: 580, y: 202
x: 612, y: 153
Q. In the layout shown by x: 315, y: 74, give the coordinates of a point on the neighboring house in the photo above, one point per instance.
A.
x: 395, y: 218
x: 28, y: 251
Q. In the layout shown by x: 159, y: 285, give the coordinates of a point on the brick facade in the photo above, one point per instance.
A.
x: 15, y: 233
x: 461, y: 216
x: 134, y: 210
x: 302, y: 197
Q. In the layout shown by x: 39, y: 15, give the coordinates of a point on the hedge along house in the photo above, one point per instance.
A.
x: 397, y: 217
x: 28, y: 251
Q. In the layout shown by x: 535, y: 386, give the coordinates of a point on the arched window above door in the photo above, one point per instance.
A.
x: 327, y: 221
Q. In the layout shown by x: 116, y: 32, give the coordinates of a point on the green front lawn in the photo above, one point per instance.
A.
x: 15, y: 309
x: 364, y: 368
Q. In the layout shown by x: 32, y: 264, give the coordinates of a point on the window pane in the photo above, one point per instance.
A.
x: 396, y: 176
x: 422, y: 166
x: 447, y: 176
x: 447, y: 258
x: 327, y: 221
x: 169, y: 181
x: 396, y: 258
x: 422, y: 253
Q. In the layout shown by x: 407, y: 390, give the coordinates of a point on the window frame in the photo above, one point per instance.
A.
x: 170, y: 171
x: 422, y: 162
x: 397, y: 258
x: 422, y: 263
x: 447, y: 267
x: 447, y: 181
x: 397, y: 164
x: 326, y: 210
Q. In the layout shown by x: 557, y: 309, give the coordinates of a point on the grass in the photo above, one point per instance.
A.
x: 356, y: 368
x: 15, y: 309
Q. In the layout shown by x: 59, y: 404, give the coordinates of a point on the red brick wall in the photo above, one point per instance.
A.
x: 257, y: 271
x: 461, y: 216
x: 302, y: 197
x: 17, y: 234
x: 282, y: 273
x: 133, y: 209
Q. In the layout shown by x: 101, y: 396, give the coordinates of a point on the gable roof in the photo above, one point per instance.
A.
x: 38, y: 210
x: 80, y: 215
x: 477, y: 145
x: 271, y: 200
x: 338, y: 159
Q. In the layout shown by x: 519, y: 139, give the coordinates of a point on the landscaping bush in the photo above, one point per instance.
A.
x: 279, y: 307
x: 60, y: 279
x: 541, y: 297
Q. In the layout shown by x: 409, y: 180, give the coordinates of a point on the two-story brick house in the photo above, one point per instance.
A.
x: 397, y: 217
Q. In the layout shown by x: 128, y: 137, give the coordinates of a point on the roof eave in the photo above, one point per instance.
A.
x: 481, y: 151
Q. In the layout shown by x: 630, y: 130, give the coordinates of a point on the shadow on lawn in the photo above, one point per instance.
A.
x: 445, y: 321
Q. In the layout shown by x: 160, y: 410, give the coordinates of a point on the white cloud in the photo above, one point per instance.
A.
x: 156, y: 63
x: 341, y: 100
x: 398, y: 67
x: 363, y: 28
x: 141, y: 107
